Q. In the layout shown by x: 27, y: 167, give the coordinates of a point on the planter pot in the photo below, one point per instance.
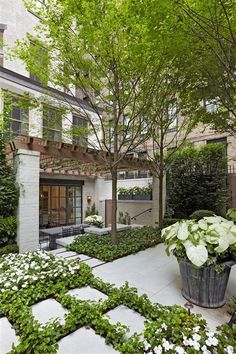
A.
x: 124, y: 197
x: 142, y: 197
x: 204, y: 287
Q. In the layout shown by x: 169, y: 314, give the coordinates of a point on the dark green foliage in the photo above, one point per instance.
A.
x: 91, y: 210
x: 169, y: 221
x: 199, y: 214
x: 8, y: 225
x: 13, y: 248
x: 128, y: 242
x: 8, y: 199
x: 196, y: 180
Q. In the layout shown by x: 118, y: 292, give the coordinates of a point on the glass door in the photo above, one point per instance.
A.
x: 60, y: 205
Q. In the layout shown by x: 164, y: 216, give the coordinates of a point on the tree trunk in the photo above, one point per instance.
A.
x: 160, y: 216
x: 114, y: 206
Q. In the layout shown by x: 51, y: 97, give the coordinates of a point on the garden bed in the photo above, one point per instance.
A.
x: 31, y: 278
x: 128, y: 242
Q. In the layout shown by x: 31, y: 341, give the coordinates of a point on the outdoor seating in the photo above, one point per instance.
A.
x: 66, y: 232
x: 43, y: 240
x: 78, y: 230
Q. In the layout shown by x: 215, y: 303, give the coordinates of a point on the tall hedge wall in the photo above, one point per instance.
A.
x: 196, y: 180
x: 8, y: 200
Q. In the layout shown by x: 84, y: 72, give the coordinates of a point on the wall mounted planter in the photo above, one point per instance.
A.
x: 134, y: 197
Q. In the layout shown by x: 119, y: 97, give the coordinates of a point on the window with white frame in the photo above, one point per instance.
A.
x: 16, y: 117
x: 52, y: 123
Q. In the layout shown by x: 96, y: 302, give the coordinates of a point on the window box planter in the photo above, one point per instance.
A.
x: 142, y: 197
x: 125, y: 197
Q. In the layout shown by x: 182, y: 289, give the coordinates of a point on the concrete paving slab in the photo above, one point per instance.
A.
x: 83, y: 257
x: 117, y: 278
x: 58, y: 250
x: 87, y: 293
x: 7, y: 336
x: 84, y: 341
x: 67, y: 254
x: 47, y: 310
x: 128, y: 317
x: 93, y: 262
x: 65, y: 241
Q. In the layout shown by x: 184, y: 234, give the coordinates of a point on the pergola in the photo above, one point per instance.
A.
x: 33, y: 155
x: 73, y: 159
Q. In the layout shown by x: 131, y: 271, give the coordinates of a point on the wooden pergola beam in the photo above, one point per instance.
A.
x: 63, y: 154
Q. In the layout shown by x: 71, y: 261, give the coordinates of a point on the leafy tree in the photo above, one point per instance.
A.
x: 209, y: 29
x: 106, y: 49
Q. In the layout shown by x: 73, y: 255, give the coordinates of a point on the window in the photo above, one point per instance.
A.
x: 16, y: 117
x: 52, y: 124
x: 210, y: 106
x: 219, y: 141
x: 40, y: 53
x: 2, y: 29
x: 79, y: 130
x: 172, y: 118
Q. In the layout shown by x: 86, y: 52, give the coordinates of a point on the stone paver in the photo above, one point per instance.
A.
x: 93, y: 262
x: 65, y: 241
x: 153, y: 272
x: 84, y: 341
x: 47, y: 310
x: 87, y: 293
x: 83, y: 257
x: 67, y: 254
x: 7, y: 336
x: 128, y: 317
x: 58, y: 250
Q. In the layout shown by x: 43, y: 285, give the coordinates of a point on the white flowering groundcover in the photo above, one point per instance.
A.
x: 32, y: 277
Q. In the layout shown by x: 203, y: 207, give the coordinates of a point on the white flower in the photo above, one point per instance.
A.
x: 158, y: 350
x: 14, y: 288
x: 211, y: 341
x: 196, y: 329
x: 186, y: 341
x: 230, y: 349
x: 205, y: 350
x: 164, y: 326
x: 166, y: 345
x: 196, y: 337
x: 180, y: 350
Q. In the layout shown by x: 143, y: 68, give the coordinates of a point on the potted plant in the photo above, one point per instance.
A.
x: 95, y: 220
x: 124, y: 193
x: 205, y: 250
x: 142, y: 193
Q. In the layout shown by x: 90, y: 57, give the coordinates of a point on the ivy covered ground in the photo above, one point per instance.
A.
x: 128, y: 242
x: 32, y: 277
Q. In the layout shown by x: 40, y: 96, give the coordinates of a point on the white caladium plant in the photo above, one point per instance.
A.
x: 209, y: 239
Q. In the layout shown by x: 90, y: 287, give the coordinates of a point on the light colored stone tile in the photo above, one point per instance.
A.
x: 87, y: 293
x: 7, y: 336
x: 47, y: 310
x: 84, y: 341
x: 58, y: 250
x: 118, y: 278
x: 93, y: 262
x: 128, y: 317
x: 83, y: 257
x: 67, y: 254
x: 65, y: 241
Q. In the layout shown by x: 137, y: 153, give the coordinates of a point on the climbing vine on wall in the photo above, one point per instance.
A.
x: 8, y: 200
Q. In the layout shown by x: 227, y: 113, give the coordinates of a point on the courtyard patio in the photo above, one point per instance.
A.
x: 150, y: 271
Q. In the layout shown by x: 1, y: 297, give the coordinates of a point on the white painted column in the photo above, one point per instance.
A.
x: 26, y: 165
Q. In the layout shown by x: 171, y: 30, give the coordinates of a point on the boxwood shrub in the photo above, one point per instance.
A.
x: 128, y: 242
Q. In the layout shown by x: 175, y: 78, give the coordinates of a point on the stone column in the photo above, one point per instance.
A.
x: 155, y: 199
x: 26, y: 164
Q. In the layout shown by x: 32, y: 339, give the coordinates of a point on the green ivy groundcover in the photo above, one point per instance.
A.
x: 29, y: 278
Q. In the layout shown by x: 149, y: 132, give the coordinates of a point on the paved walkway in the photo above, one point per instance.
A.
x: 150, y: 271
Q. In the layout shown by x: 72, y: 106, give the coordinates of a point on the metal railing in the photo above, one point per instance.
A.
x: 143, y: 212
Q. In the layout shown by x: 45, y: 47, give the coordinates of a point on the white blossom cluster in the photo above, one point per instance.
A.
x: 20, y: 270
x: 192, y: 341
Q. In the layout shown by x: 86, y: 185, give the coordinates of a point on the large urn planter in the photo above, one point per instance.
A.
x: 204, y: 286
